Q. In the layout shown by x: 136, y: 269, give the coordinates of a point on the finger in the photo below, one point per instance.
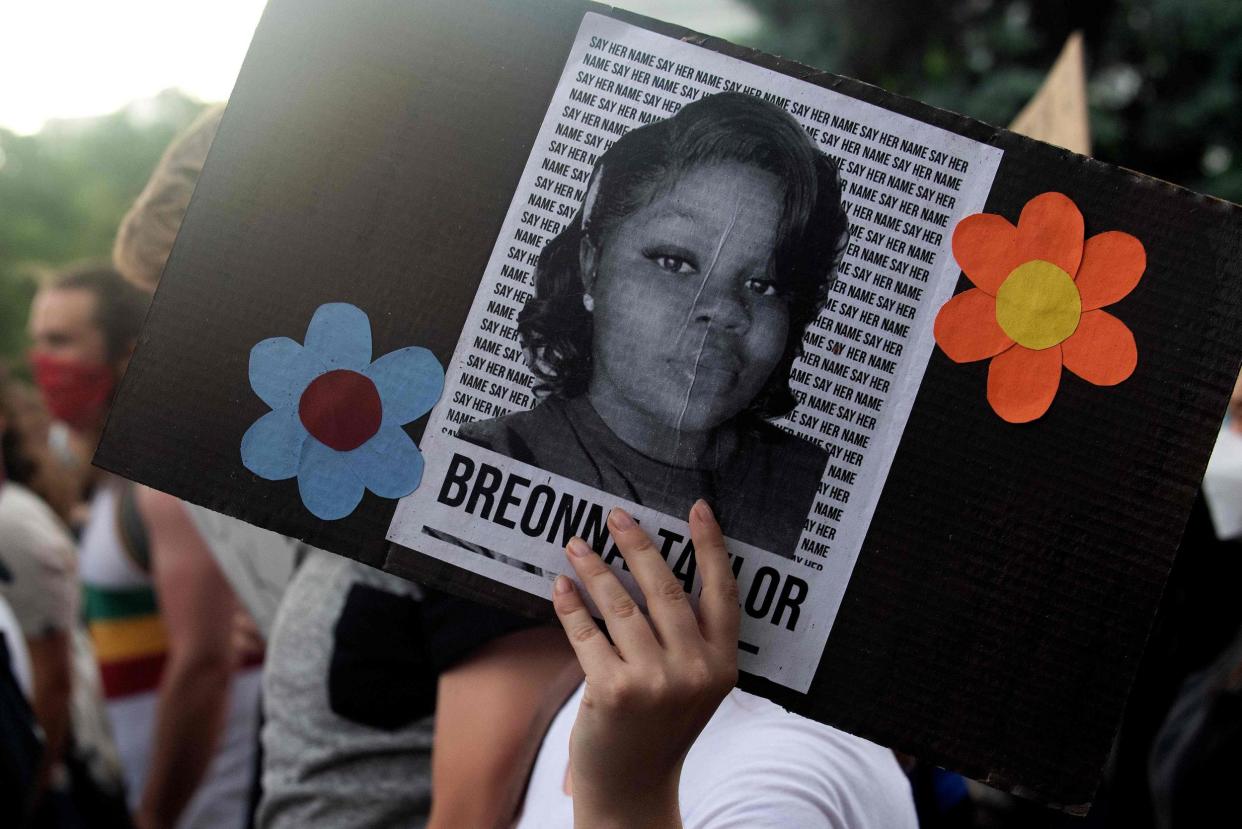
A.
x: 627, y: 625
x: 667, y: 602
x: 592, y: 648
x: 719, y: 610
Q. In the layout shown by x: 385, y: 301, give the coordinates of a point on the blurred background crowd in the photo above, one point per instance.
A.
x: 1164, y: 91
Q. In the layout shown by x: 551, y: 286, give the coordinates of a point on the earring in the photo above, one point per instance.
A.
x: 588, y: 302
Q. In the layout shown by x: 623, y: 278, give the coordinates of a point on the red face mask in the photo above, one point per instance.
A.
x: 75, y: 392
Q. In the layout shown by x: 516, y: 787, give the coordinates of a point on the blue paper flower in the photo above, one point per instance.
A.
x: 336, y: 416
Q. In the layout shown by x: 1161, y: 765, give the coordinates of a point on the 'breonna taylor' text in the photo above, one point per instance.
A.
x: 539, y: 511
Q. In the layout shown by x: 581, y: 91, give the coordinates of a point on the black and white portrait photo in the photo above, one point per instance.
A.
x: 667, y: 316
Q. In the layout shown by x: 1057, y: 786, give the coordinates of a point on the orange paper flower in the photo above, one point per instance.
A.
x: 1036, y: 303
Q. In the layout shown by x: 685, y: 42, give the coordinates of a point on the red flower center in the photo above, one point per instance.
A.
x: 341, y: 409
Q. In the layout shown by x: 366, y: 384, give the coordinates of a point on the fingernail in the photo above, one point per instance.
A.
x: 562, y: 585
x: 578, y: 547
x: 703, y: 511
x: 621, y: 519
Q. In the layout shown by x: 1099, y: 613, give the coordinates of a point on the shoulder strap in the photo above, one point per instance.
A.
x: 130, y: 530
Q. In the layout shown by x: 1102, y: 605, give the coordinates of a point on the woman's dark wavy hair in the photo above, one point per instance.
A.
x: 556, y: 329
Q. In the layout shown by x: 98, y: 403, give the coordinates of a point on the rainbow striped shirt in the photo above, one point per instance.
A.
x: 119, y: 602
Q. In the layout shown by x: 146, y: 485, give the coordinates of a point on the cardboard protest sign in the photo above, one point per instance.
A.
x: 1058, y: 112
x: 950, y: 390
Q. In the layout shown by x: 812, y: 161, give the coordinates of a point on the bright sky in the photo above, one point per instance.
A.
x: 77, y: 58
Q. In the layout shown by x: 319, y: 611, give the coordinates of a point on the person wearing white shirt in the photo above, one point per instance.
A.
x: 657, y: 735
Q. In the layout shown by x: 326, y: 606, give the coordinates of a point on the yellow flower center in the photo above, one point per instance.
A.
x: 1038, y: 305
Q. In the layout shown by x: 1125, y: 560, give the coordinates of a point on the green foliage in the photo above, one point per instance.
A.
x: 64, y: 190
x: 1165, y: 75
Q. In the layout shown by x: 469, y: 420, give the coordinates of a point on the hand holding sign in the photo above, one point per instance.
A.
x: 648, y: 697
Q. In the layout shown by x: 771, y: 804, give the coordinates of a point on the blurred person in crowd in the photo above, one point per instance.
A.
x: 183, y: 712
x: 349, y: 694
x: 147, y: 232
x: 20, y: 747
x: 31, y: 457
x: 79, y: 772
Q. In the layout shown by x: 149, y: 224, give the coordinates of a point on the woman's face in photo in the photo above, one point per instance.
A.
x: 688, y: 321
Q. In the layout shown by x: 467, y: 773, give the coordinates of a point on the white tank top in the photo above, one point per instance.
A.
x: 130, y: 644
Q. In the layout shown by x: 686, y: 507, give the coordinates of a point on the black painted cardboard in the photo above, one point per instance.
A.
x: 1002, y: 599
